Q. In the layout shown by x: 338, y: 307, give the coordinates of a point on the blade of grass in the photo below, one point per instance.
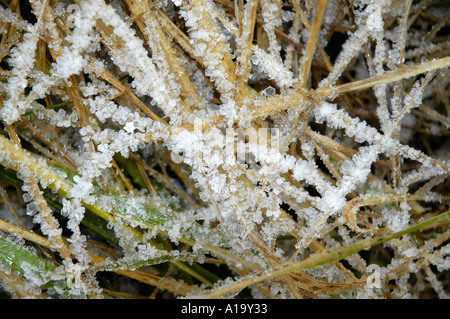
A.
x: 24, y: 233
x: 17, y: 257
x: 388, y: 77
x: 312, y: 41
x: 143, y: 214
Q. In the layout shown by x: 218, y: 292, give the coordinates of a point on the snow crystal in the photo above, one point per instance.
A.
x: 129, y: 127
x: 374, y: 20
x: 394, y: 219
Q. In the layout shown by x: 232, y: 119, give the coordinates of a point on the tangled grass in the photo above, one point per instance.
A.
x: 224, y: 149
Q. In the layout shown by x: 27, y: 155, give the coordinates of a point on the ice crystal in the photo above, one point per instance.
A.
x: 147, y: 134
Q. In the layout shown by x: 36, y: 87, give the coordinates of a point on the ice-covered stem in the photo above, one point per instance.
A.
x: 324, y: 257
x: 348, y: 212
x: 15, y: 157
x: 275, y: 70
x: 364, y: 133
x: 246, y: 40
x: 27, y: 168
x: 299, y: 98
x: 24, y: 233
x: 165, y: 58
x: 189, y: 95
x: 412, y: 100
x: 22, y: 60
x: 396, y: 104
x: 271, y: 14
x: 26, y: 263
x: 210, y: 45
x: 106, y: 75
x: 19, y: 287
x: 20, y: 160
x: 146, y: 216
x: 48, y: 224
x: 167, y: 283
x: 349, y: 49
x: 312, y: 40
x: 388, y: 77
x: 130, y: 54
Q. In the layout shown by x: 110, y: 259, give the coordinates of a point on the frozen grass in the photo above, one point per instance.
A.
x: 208, y: 149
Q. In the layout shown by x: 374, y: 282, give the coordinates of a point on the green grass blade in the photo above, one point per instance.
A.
x: 333, y: 255
x: 30, y: 265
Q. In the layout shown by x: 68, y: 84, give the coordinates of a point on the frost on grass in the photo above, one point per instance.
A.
x: 158, y: 140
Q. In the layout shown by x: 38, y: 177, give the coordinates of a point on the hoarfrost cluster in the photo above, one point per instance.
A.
x: 280, y: 140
